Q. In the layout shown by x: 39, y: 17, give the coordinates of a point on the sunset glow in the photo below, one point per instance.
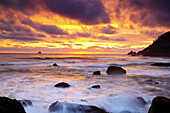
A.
x: 81, y: 26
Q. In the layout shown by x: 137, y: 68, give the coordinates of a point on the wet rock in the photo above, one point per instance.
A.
x: 25, y: 102
x: 125, y: 111
x: 151, y: 81
x: 161, y: 64
x: 74, y: 108
x: 113, y: 70
x: 8, y: 105
x: 141, y: 100
x: 83, y: 100
x: 160, y: 104
x: 62, y: 85
x: 132, y: 53
x: 96, y: 86
x: 96, y: 73
x: 55, y: 64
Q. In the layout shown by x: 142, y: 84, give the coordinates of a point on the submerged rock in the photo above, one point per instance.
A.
x: 125, y: 111
x: 25, y: 102
x: 55, y: 64
x: 151, y: 81
x: 113, y: 70
x: 142, y: 100
x: 160, y: 64
x: 160, y: 104
x: 62, y: 85
x: 74, y: 108
x: 8, y: 105
x: 96, y: 73
x: 96, y: 86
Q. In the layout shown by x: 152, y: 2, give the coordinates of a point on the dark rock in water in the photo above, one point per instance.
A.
x: 8, y: 105
x: 39, y: 52
x: 113, y: 70
x: 151, y: 81
x: 96, y: 73
x: 74, y: 108
x: 132, y: 53
x: 160, y: 64
x: 142, y: 100
x: 83, y: 100
x: 96, y: 86
x: 62, y: 85
x: 125, y: 111
x: 160, y: 47
x: 25, y: 102
x: 55, y: 64
x: 160, y: 104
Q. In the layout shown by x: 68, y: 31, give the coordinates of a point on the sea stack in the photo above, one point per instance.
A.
x: 159, y: 48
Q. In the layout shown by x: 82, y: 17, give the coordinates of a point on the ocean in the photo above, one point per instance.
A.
x: 32, y: 77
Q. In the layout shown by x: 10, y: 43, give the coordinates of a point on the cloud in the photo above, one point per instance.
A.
x: 148, y: 12
x: 22, y: 28
x: 41, y: 35
x: 109, y: 30
x: 83, y: 34
x: 120, y: 39
x: 86, y: 11
x: 6, y: 28
x: 49, y: 29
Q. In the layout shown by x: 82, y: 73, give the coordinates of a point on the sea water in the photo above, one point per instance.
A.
x: 33, y: 76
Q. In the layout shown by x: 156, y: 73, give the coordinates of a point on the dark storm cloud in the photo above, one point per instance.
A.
x: 108, y: 30
x: 86, y: 11
x: 49, y: 29
x: 23, y: 6
x: 148, y: 12
x: 83, y: 34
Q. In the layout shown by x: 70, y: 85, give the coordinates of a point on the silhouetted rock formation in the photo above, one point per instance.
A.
x: 160, y: 64
x: 96, y: 73
x: 8, y: 105
x: 132, y: 53
x: 74, y: 108
x: 160, y: 104
x: 160, y: 47
x: 55, y: 64
x: 96, y: 86
x: 25, y: 102
x: 39, y: 52
x: 114, y: 70
x: 62, y: 85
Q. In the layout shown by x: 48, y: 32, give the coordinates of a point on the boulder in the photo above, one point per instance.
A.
x: 161, y: 64
x: 96, y: 73
x: 74, y: 108
x: 8, y: 105
x: 114, y: 70
x: 62, y: 85
x: 55, y: 64
x: 25, y: 102
x: 132, y: 53
x: 159, y: 47
x: 96, y: 86
x: 160, y: 104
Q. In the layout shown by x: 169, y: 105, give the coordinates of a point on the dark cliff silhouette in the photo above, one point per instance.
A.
x: 160, y: 47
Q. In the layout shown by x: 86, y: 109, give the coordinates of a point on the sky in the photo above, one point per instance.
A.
x: 81, y: 26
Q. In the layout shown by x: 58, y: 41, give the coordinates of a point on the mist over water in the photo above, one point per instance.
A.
x: 32, y: 77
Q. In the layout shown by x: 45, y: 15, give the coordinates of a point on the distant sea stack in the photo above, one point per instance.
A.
x: 160, y: 47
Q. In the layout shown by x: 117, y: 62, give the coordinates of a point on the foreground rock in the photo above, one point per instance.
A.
x: 62, y: 85
x: 114, y: 70
x: 8, y: 105
x: 132, y: 53
x: 160, y: 64
x: 25, y: 102
x: 160, y: 105
x: 96, y: 86
x: 160, y: 47
x: 96, y: 73
x: 74, y: 108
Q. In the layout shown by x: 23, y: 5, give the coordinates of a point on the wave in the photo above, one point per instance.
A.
x: 129, y: 64
x: 119, y: 59
x: 24, y: 63
x: 60, y: 58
